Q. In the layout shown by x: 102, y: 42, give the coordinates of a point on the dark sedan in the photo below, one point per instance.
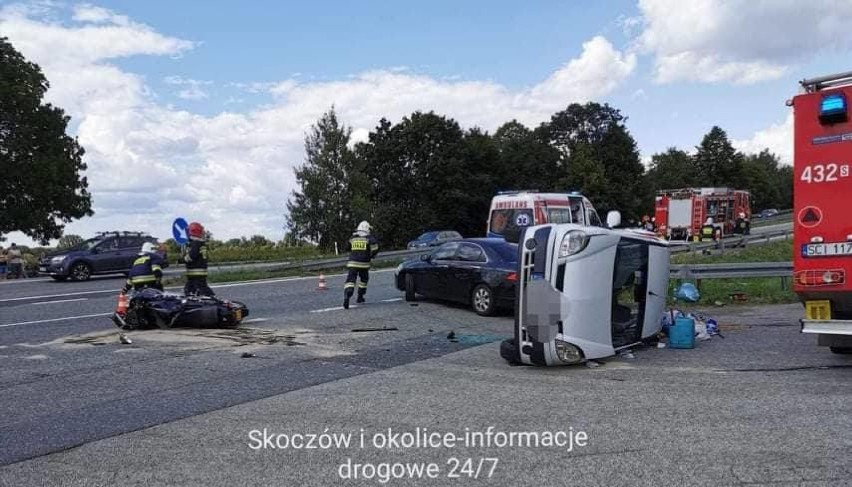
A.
x: 476, y: 271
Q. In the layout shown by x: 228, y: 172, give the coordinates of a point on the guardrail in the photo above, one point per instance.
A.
x: 731, y: 270
x: 318, y: 264
x: 730, y: 242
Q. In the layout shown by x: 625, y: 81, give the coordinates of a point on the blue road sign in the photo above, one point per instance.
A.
x: 179, y: 231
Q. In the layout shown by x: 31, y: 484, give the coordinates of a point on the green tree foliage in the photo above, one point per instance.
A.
x: 40, y: 188
x: 526, y: 159
x: 69, y: 241
x: 330, y: 202
x: 716, y: 160
x: 672, y: 169
x: 418, y: 177
x: 771, y: 184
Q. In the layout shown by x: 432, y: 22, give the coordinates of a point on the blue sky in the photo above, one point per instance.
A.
x: 198, y: 109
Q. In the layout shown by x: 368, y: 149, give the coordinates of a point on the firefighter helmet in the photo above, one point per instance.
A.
x: 148, y: 248
x: 196, y: 230
x: 364, y: 226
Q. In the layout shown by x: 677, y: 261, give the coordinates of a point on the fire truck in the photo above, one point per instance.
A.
x: 681, y: 213
x: 822, y: 194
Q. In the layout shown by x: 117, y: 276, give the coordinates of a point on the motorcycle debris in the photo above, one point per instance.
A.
x: 592, y: 364
x: 451, y: 335
x: 627, y: 355
x: 248, y: 355
x: 124, y: 339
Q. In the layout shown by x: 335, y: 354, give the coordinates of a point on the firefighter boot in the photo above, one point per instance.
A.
x: 361, y: 293
x: 347, y: 294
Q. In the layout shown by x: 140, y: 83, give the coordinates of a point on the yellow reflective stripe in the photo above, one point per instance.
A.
x: 362, y: 285
x: 196, y: 272
x: 156, y: 268
x: 141, y: 260
x: 359, y: 243
x: 358, y: 265
x: 349, y: 285
x: 374, y: 247
x: 142, y: 279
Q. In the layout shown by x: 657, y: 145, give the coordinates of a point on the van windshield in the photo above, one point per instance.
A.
x: 508, y: 222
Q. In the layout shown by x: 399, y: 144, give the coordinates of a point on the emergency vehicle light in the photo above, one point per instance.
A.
x: 833, y: 108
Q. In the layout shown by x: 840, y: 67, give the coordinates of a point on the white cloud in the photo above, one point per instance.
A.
x: 193, y: 90
x: 149, y: 163
x: 739, y: 41
x: 778, y: 138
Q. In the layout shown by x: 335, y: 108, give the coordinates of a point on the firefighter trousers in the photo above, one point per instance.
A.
x: 197, y: 285
x: 353, y: 276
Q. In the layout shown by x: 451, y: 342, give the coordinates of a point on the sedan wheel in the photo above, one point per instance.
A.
x: 81, y: 272
x: 410, y: 294
x: 482, y: 300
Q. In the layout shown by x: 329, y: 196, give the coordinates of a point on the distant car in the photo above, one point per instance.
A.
x: 768, y: 213
x: 480, y: 272
x: 108, y: 253
x: 434, y: 239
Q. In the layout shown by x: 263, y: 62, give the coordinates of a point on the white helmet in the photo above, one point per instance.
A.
x: 364, y: 227
x: 148, y: 248
x: 709, y: 221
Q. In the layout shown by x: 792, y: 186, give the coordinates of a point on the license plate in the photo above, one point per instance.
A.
x: 238, y: 314
x: 827, y: 249
x: 42, y: 269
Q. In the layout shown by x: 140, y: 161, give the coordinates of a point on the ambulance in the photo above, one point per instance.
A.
x: 512, y: 211
x: 822, y: 195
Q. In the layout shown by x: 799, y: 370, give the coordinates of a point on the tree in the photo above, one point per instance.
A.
x: 580, y: 124
x: 717, y: 162
x: 40, y: 188
x: 422, y: 172
x: 69, y: 241
x: 672, y: 169
x: 526, y: 160
x: 332, y: 196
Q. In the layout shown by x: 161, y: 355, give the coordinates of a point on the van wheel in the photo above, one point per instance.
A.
x: 80, y: 271
x: 482, y: 300
x: 410, y: 294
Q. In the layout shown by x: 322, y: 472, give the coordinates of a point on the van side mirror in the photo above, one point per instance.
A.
x: 613, y: 219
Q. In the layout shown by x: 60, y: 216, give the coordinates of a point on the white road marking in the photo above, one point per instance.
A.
x: 391, y: 300
x: 60, y: 301
x: 55, y: 319
x: 255, y: 320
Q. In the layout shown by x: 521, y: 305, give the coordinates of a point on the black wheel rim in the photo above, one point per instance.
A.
x: 81, y: 272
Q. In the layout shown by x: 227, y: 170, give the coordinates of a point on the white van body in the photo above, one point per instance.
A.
x: 572, y: 303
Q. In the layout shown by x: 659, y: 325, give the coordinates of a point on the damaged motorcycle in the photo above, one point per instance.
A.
x: 150, y: 309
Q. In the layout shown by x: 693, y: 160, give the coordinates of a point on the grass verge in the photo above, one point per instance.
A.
x: 760, y: 290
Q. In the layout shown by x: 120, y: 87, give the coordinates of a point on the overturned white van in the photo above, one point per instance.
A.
x: 585, y: 293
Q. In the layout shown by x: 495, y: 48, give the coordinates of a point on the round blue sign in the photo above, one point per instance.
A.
x: 179, y: 231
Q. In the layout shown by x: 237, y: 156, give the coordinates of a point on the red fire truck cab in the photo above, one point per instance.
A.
x: 681, y: 213
x: 822, y: 196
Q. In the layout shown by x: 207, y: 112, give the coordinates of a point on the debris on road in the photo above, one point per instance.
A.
x: 124, y: 339
x: 248, y: 355
x: 592, y: 364
x: 451, y: 335
x: 362, y: 330
x: 626, y: 355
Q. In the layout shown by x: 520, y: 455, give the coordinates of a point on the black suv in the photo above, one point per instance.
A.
x: 108, y: 253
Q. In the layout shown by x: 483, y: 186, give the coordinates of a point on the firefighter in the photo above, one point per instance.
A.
x: 195, y: 258
x: 743, y: 226
x: 362, y: 247
x: 146, y: 270
x: 708, y: 231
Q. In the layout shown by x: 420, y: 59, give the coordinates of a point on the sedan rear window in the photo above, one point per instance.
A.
x: 507, y: 252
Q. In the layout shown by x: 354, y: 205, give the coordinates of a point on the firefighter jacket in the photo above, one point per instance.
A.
x: 708, y: 232
x: 362, y: 249
x: 196, y: 259
x: 146, y: 269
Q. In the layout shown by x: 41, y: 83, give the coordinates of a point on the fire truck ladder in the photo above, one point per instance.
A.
x: 697, y: 216
x: 822, y: 82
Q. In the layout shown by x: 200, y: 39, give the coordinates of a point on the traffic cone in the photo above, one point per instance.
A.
x: 123, y: 303
x: 322, y: 285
